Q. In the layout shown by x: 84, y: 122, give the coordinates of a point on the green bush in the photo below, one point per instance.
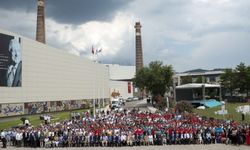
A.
x: 184, y: 106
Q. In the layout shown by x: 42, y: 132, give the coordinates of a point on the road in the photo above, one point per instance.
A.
x: 165, y: 147
x: 141, y: 104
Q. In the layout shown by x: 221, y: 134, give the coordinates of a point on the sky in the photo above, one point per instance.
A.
x: 187, y: 34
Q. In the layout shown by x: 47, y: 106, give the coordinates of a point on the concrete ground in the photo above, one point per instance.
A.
x: 141, y: 104
x: 165, y: 147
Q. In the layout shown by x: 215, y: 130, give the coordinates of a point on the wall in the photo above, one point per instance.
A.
x: 41, y: 107
x: 50, y: 74
x: 117, y: 72
x: 120, y: 77
x: 122, y: 87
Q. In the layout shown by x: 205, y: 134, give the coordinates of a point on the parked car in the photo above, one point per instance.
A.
x: 135, y: 98
x: 129, y: 99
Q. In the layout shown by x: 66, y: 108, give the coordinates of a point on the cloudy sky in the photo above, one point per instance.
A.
x: 187, y: 34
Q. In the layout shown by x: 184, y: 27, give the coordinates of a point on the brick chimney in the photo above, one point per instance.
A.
x: 138, y: 47
x: 40, y: 26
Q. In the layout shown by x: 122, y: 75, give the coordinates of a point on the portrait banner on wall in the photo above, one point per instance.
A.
x: 10, y: 61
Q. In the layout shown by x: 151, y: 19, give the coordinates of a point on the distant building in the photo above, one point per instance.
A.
x: 189, y: 85
x: 193, y: 76
x: 197, y: 91
x: 120, y: 80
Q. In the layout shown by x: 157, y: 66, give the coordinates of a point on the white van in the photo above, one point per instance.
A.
x: 115, y: 103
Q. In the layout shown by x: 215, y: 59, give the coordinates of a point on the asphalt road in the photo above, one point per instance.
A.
x: 141, y: 104
x: 165, y: 147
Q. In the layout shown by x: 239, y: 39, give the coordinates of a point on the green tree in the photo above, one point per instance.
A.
x: 201, y: 79
x: 186, y: 79
x: 228, y: 81
x: 157, y: 78
x: 241, y: 78
x: 183, y: 106
x: 248, y: 80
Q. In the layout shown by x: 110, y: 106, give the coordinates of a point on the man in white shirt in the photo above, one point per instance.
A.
x: 3, y: 138
x: 19, y: 137
x: 26, y: 122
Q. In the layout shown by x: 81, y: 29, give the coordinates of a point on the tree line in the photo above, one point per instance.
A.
x: 236, y: 82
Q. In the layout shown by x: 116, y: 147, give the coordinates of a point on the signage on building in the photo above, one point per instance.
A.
x: 10, y: 61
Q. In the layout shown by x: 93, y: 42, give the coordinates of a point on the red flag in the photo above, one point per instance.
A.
x: 129, y: 87
x: 93, y: 51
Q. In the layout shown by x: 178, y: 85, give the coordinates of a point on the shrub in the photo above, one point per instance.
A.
x: 183, y: 106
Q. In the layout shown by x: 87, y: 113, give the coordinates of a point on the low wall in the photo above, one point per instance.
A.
x: 16, y: 109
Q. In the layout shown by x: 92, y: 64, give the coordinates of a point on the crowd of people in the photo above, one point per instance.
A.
x: 129, y: 128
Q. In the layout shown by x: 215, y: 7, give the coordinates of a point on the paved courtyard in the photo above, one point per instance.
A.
x: 166, y: 147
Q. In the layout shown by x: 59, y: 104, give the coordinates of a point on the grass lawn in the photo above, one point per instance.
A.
x: 35, y: 119
x: 230, y: 107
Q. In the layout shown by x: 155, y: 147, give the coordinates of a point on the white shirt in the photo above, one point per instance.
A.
x: 3, y: 134
x: 26, y: 121
x: 19, y: 136
x: 150, y: 137
x: 123, y: 137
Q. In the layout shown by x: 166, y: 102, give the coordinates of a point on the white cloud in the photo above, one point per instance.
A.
x: 193, y: 31
x: 224, y: 49
x: 110, y: 36
x: 186, y: 34
x: 19, y: 22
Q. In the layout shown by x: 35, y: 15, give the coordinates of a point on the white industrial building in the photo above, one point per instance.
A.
x: 51, y: 79
x: 121, y: 80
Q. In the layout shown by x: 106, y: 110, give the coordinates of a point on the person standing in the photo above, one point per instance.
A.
x: 26, y: 138
x: 3, y: 137
x: 19, y: 138
x: 242, y: 117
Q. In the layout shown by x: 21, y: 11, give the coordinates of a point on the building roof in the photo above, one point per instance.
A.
x: 200, y: 73
x: 196, y: 85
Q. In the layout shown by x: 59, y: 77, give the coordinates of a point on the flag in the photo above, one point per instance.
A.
x: 93, y: 51
x: 98, y: 50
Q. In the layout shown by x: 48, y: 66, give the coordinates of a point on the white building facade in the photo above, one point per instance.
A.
x: 51, y: 79
x: 121, y: 80
x: 211, y: 76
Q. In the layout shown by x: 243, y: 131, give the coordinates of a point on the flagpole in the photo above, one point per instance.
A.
x: 103, y: 105
x: 97, y: 91
x: 93, y: 97
x: 93, y: 82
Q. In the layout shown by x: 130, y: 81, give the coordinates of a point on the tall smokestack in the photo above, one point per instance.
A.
x: 138, y: 47
x: 40, y: 24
